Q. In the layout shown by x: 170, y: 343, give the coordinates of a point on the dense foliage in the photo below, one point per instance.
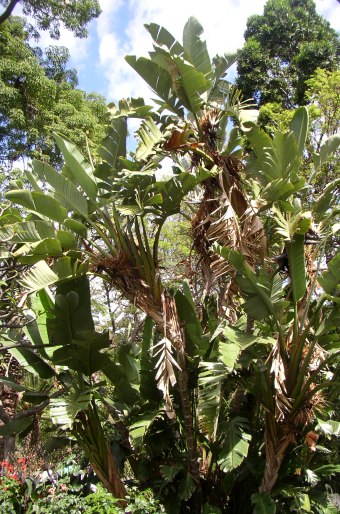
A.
x: 222, y: 397
x: 283, y: 48
x: 50, y: 14
x: 37, y: 94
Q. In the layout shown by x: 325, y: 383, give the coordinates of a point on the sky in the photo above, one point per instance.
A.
x: 99, y: 59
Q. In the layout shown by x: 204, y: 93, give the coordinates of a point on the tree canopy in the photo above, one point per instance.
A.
x: 50, y: 14
x: 283, y: 48
x: 37, y: 95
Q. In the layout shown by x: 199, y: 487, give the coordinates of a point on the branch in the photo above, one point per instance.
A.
x: 26, y: 345
x: 38, y: 408
x: 8, y: 11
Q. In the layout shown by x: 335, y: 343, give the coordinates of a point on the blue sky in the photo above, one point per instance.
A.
x: 119, y: 31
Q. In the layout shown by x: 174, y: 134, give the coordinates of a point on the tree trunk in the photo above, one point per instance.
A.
x: 8, y: 11
x: 276, y: 444
x: 110, y: 476
x: 9, y: 399
x: 176, y: 336
x: 90, y: 436
x: 189, y: 430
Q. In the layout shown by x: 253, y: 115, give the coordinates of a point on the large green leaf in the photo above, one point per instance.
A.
x: 175, y: 189
x: 328, y: 197
x: 210, y: 381
x: 114, y: 144
x: 189, y: 84
x: 72, y: 328
x: 9, y: 382
x: 235, y: 445
x: 148, y: 388
x: 162, y: 37
x: 64, y: 189
x: 243, y: 339
x: 80, y: 168
x: 48, y: 248
x: 263, y: 503
x: 72, y: 313
x: 39, y: 203
x: 36, y: 328
x: 27, y: 231
x: 76, y: 227
x: 38, y: 277
x: 276, y: 158
x: 221, y: 63
x: 285, y: 158
x: 192, y: 326
x: 327, y: 149
x: 123, y: 391
x: 330, y: 279
x: 195, y: 49
x: 64, y: 410
x: 88, y: 346
x: 67, y: 267
x: 138, y: 429
x: 31, y: 361
x: 158, y: 79
x: 299, y: 126
x: 41, y: 275
x: 170, y: 472
x: 329, y: 427
x: 150, y: 136
x: 15, y: 427
x: 186, y: 487
x: 327, y: 470
x: 259, y: 304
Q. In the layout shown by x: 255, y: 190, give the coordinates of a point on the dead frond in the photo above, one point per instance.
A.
x: 165, y: 374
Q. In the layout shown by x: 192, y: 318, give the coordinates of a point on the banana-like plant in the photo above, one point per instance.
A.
x: 291, y: 383
x: 61, y: 344
x: 250, y: 346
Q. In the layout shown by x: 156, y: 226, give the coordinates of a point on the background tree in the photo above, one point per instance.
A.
x: 283, y: 48
x: 37, y: 95
x: 50, y: 14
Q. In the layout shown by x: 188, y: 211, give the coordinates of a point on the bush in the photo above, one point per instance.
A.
x: 21, y: 494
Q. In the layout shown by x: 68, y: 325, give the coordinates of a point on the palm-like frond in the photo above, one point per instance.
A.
x: 165, y: 374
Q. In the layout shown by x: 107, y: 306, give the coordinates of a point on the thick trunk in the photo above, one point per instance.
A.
x: 176, y: 335
x: 166, y: 319
x: 109, y: 476
x: 7, y: 447
x: 90, y: 436
x: 189, y: 430
x: 8, y: 11
x: 276, y: 444
x: 9, y: 399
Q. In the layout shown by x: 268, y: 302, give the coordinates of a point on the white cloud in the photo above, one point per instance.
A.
x: 329, y: 9
x: 77, y: 47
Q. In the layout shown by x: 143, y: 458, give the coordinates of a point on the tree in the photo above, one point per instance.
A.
x: 323, y: 91
x: 283, y: 48
x: 50, y: 14
x: 231, y: 382
x: 38, y: 94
